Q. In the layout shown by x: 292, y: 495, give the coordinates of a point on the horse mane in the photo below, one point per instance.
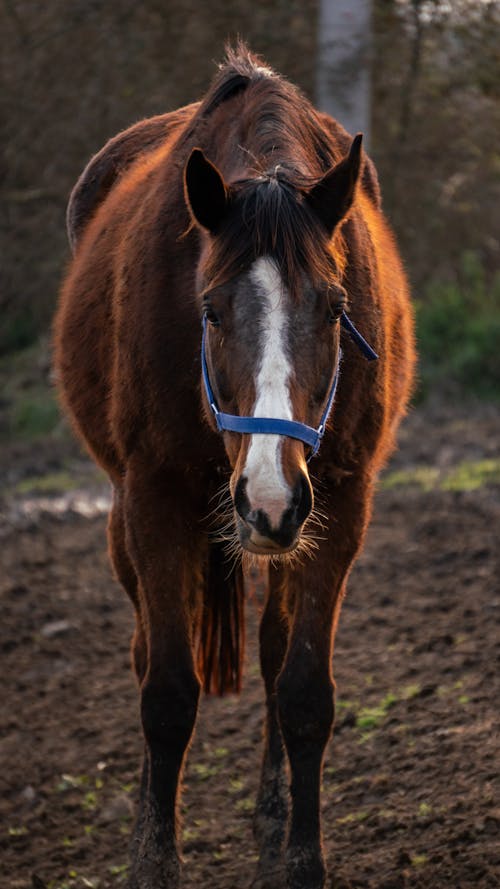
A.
x: 285, y: 151
x: 239, y: 68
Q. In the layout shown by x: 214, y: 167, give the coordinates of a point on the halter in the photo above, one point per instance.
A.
x: 272, y: 425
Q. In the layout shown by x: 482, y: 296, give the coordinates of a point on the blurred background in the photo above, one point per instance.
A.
x: 425, y: 77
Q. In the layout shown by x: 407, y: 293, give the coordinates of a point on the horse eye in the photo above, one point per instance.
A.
x: 211, y: 316
x: 335, y: 313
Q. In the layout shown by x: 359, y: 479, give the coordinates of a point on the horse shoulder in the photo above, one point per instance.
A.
x: 107, y: 167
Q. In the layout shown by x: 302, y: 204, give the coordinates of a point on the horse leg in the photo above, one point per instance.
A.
x: 165, y: 555
x: 126, y: 575
x: 271, y: 812
x: 305, y: 687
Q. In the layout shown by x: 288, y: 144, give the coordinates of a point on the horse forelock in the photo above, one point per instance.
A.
x: 270, y: 217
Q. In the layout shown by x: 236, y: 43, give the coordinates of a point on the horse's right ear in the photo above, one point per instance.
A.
x: 205, y: 191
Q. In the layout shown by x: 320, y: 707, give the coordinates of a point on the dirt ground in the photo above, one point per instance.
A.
x: 409, y: 796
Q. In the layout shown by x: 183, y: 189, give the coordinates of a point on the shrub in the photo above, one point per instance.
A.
x: 458, y: 330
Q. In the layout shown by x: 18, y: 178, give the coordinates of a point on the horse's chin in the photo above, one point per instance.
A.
x: 258, y: 545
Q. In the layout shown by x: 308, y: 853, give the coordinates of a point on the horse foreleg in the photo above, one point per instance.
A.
x: 165, y: 555
x: 271, y: 814
x: 305, y: 688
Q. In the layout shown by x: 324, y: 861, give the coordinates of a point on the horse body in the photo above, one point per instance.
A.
x: 256, y: 210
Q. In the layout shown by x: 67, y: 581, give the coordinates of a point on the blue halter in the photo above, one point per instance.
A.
x: 272, y: 425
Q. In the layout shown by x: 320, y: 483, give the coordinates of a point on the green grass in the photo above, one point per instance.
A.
x: 423, y: 477
x: 53, y: 482
x: 418, y: 860
x: 370, y: 717
x: 466, y: 476
x: 470, y: 475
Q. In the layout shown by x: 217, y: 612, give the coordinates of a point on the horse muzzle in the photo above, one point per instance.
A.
x: 269, y: 528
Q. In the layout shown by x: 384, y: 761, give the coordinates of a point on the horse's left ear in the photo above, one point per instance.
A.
x: 205, y: 191
x: 332, y: 196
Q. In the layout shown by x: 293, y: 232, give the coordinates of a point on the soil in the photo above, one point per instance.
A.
x: 408, y: 797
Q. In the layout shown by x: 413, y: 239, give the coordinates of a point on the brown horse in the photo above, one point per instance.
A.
x: 254, y: 213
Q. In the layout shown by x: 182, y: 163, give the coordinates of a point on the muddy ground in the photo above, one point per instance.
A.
x: 409, y: 795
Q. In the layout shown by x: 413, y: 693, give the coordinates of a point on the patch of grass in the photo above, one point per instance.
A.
x: 119, y: 870
x: 89, y: 801
x: 466, y: 476
x: 236, y: 785
x: 203, y: 771
x: 220, y: 752
x: 423, y: 477
x: 45, y: 484
x: 246, y: 804
x: 189, y: 834
x: 353, y: 817
x: 472, y: 474
x: 70, y: 782
x: 342, y: 704
x: 418, y: 860
x: 411, y: 691
x: 424, y: 810
x: 128, y: 788
x: 370, y: 717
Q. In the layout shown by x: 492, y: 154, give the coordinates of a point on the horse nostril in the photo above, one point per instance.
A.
x: 260, y: 521
x: 302, y: 500
x: 240, y: 499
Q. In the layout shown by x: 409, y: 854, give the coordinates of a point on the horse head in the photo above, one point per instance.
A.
x: 270, y: 294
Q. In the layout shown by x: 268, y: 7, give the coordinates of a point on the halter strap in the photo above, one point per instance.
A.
x: 356, y: 337
x: 271, y: 425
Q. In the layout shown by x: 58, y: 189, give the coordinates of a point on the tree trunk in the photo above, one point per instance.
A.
x: 343, y: 69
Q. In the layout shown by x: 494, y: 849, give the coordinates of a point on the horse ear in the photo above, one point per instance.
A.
x: 205, y: 191
x: 333, y: 195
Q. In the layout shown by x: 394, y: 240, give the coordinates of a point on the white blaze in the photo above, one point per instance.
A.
x: 266, y: 486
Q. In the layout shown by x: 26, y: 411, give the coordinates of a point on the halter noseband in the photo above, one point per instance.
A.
x: 272, y: 425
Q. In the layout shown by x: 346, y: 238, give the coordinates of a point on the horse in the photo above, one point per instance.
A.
x: 234, y: 345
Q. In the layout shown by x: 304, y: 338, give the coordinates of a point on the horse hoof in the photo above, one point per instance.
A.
x: 269, y: 879
x: 153, y: 878
x: 305, y: 870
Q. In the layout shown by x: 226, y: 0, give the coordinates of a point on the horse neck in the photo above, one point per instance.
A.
x: 255, y: 131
